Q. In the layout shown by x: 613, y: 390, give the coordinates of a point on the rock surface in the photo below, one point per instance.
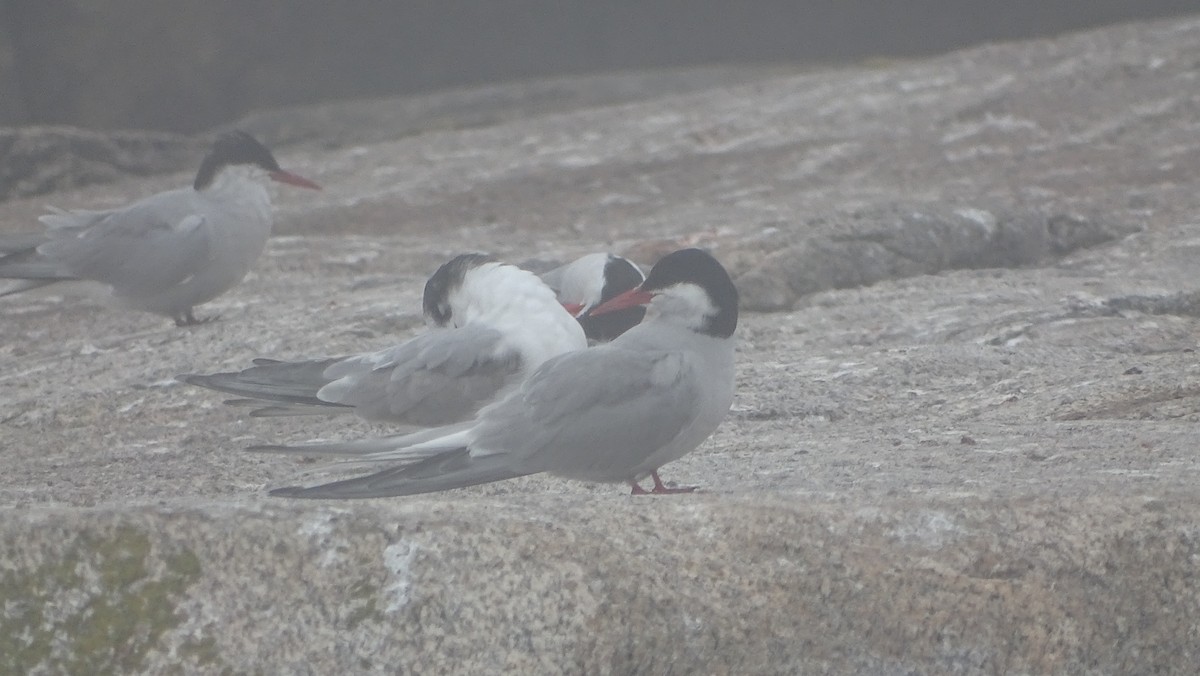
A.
x: 964, y: 440
x: 39, y: 160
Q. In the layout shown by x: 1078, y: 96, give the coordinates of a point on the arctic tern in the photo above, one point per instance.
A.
x: 586, y: 282
x: 491, y: 325
x: 166, y: 253
x: 612, y: 413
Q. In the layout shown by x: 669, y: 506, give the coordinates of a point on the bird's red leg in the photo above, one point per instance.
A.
x: 661, y: 488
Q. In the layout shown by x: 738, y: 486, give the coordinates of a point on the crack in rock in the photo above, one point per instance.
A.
x: 903, y: 241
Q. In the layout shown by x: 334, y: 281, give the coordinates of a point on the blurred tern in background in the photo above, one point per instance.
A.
x: 586, y: 282
x: 166, y: 253
x: 615, y: 412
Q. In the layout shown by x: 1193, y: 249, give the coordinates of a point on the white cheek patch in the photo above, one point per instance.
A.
x: 687, y: 304
x: 695, y: 298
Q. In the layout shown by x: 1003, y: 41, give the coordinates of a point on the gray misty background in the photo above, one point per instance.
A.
x: 188, y: 65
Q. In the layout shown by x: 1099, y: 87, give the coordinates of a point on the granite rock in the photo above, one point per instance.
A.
x: 39, y: 160
x: 949, y: 453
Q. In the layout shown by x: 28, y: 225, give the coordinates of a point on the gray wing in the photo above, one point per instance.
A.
x: 151, y: 244
x: 270, y: 380
x: 594, y: 414
x: 397, y: 447
x: 437, y: 378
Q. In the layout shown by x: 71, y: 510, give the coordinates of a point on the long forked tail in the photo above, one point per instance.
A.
x: 416, y: 445
x: 446, y: 471
x: 22, y: 242
x: 20, y: 259
x: 282, y: 410
x: 275, y: 381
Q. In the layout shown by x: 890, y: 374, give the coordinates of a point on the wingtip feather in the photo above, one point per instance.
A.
x: 288, y: 492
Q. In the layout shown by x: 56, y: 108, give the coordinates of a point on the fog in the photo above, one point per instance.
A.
x: 189, y: 65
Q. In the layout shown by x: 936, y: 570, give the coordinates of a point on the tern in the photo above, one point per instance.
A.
x: 585, y: 283
x: 166, y: 253
x: 491, y: 324
x: 616, y: 412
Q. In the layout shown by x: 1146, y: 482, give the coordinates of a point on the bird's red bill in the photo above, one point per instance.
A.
x: 293, y: 179
x: 573, y: 308
x: 630, y: 298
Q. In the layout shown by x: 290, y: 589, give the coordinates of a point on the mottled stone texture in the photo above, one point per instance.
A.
x: 35, y: 160
x: 964, y: 441
x: 39, y: 160
x: 711, y: 584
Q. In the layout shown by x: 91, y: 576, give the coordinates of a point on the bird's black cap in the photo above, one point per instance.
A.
x: 449, y: 277
x: 694, y: 266
x: 232, y: 148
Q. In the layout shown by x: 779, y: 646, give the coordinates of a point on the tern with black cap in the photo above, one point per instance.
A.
x: 586, y: 282
x: 491, y: 324
x: 612, y: 413
x: 166, y: 253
